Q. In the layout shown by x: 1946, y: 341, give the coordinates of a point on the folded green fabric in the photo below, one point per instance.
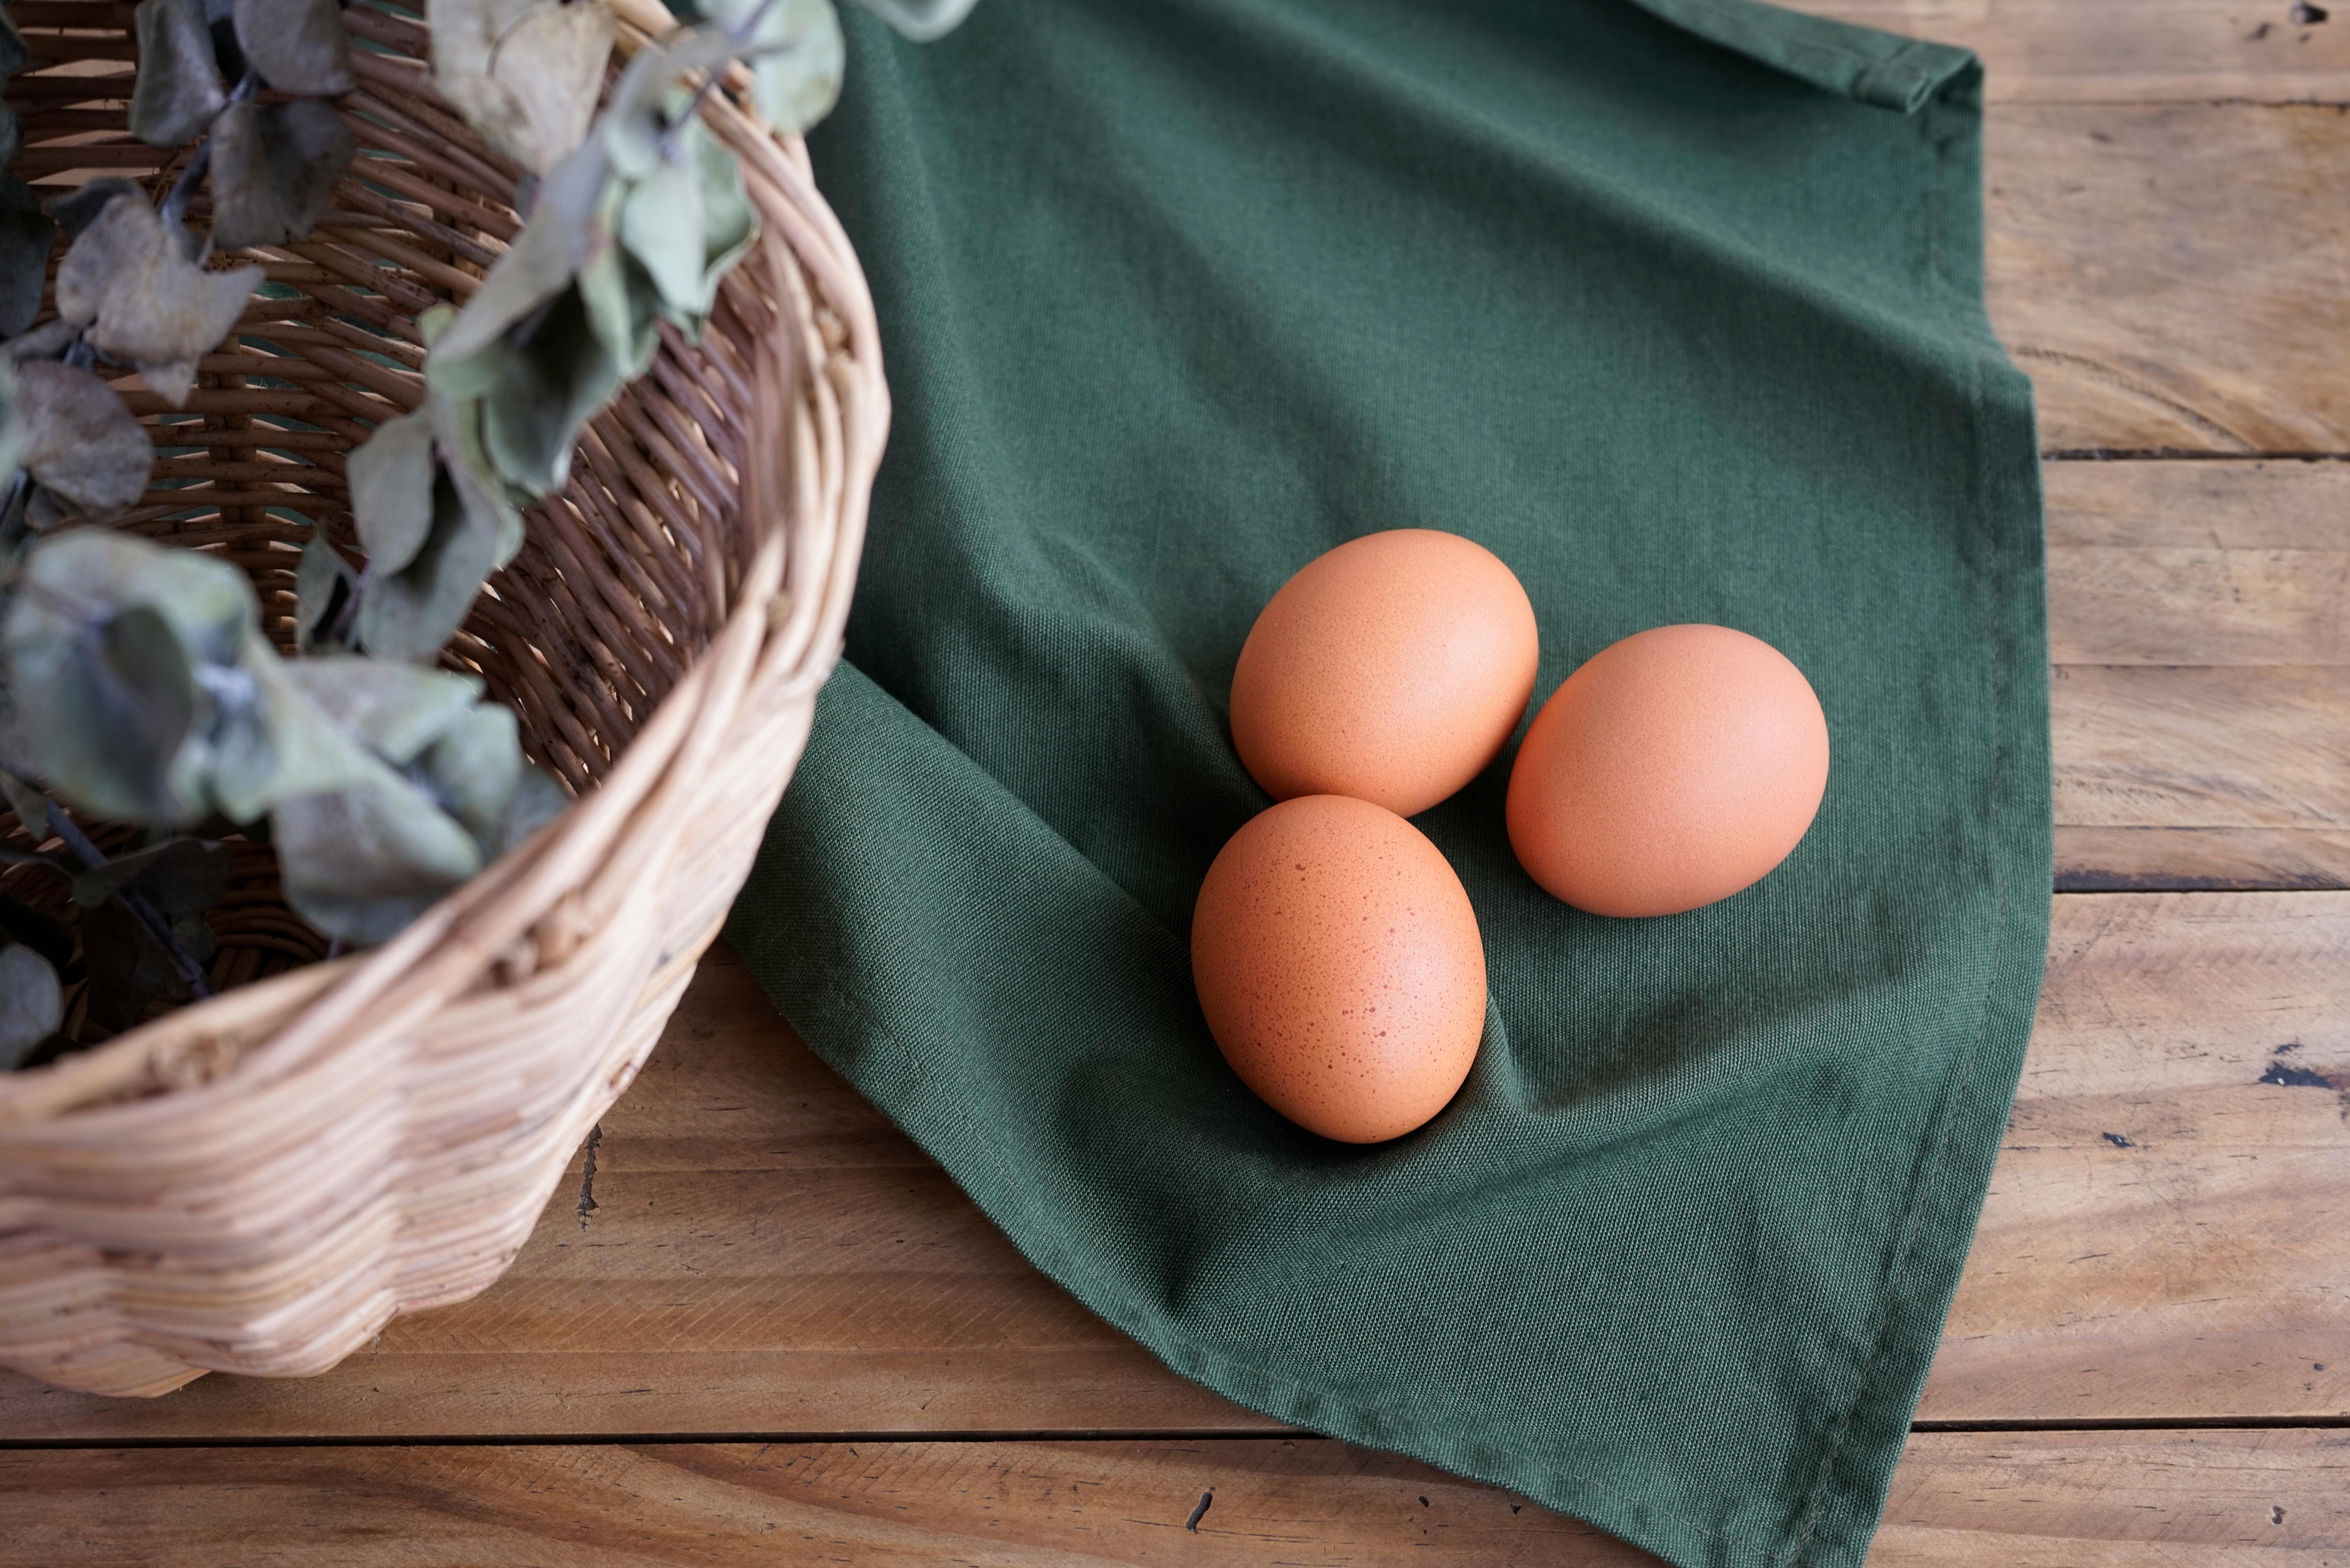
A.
x: 1174, y: 297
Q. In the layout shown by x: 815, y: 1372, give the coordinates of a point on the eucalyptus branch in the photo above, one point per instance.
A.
x: 150, y: 920
x: 183, y: 190
x: 741, y: 33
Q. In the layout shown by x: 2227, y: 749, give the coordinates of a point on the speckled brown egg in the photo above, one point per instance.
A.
x: 1392, y: 669
x: 1339, y: 963
x: 1673, y: 769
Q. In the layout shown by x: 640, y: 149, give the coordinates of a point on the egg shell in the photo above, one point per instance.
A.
x: 1673, y: 769
x: 1392, y: 669
x: 1338, y: 964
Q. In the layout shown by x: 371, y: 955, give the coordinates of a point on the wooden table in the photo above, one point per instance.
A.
x: 756, y: 1326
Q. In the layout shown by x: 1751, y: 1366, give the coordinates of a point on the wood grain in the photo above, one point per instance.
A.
x: 2197, y: 615
x: 2128, y: 51
x: 2159, y: 1240
x: 2040, y: 1500
x: 2173, y: 277
x: 767, y: 1256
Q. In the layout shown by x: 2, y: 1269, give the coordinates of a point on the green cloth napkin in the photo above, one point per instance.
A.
x: 1678, y: 309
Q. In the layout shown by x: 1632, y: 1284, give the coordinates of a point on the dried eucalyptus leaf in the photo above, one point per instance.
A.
x: 31, y: 1004
x: 323, y: 585
x: 472, y: 771
x: 128, y: 278
x: 274, y: 167
x: 297, y: 46
x: 661, y: 223
x: 78, y: 208
x: 13, y: 53
x: 79, y: 441
x: 104, y: 645
x: 457, y: 427
x: 796, y: 56
x: 921, y: 20
x: 465, y: 32
x: 468, y: 359
x: 127, y: 970
x: 532, y: 92
x: 410, y: 614
x: 391, y: 489
x: 179, y: 88
x: 12, y: 422
x: 360, y: 864
x: 539, y: 798
x: 31, y: 807
x: 796, y: 86
x: 277, y: 744
x: 180, y: 878
x: 396, y: 710
x: 553, y: 382
x: 45, y: 934
x: 28, y: 234
x: 49, y: 340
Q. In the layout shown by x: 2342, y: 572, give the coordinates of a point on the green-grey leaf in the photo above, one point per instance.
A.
x: 181, y: 877
x: 552, y: 383
x: 28, y: 234
x: 465, y: 32
x: 468, y: 359
x: 457, y: 427
x: 921, y: 20
x: 531, y: 88
x: 539, y: 798
x: 78, y: 440
x: 661, y: 224
x: 179, y: 87
x: 297, y: 46
x: 274, y: 167
x: 276, y: 742
x: 102, y: 646
x: 31, y: 1004
x: 410, y: 614
x: 45, y: 934
x: 472, y: 771
x: 360, y: 864
x: 78, y: 208
x: 129, y: 280
x: 797, y: 57
x: 323, y: 585
x: 31, y: 807
x: 12, y: 422
x: 391, y: 489
x: 396, y: 710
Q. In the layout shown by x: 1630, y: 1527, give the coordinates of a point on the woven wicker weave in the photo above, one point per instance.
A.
x: 256, y: 1183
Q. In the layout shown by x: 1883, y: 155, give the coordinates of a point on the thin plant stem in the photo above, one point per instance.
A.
x: 183, y: 190
x: 150, y: 919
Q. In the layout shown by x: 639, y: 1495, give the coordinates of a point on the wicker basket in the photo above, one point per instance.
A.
x: 258, y: 1183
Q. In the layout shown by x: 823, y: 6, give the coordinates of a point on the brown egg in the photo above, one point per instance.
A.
x: 1391, y: 668
x: 1675, y: 768
x: 1339, y: 963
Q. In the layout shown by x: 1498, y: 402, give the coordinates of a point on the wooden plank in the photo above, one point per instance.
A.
x: 2172, y: 563
x: 2172, y: 277
x: 767, y: 1255
x: 2131, y: 51
x: 2199, y: 1499
x: 2161, y: 1240
x: 2169, y: 778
